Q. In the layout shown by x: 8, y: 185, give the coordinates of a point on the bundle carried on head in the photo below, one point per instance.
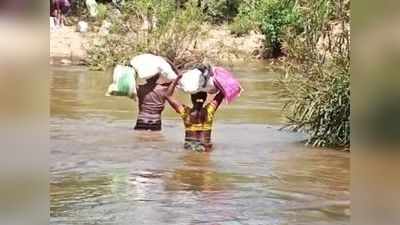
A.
x: 198, y: 79
x: 226, y: 82
x: 149, y: 65
x: 205, y: 78
x: 143, y: 67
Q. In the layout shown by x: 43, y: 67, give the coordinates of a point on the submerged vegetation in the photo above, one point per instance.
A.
x: 310, y: 37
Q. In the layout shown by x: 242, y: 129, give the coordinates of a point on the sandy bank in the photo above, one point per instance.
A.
x: 67, y: 46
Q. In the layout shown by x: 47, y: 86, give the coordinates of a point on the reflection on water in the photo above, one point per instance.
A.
x: 103, y: 172
x: 197, y: 174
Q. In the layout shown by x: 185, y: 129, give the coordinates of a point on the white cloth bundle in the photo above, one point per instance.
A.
x: 148, y: 65
x: 193, y: 81
x: 83, y: 27
x: 92, y: 7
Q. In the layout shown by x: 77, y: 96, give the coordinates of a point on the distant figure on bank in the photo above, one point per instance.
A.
x: 58, y: 10
x: 198, y: 119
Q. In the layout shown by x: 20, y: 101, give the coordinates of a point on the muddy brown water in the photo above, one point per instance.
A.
x: 103, y: 172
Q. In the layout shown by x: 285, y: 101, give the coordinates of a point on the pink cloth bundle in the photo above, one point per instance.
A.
x: 225, y: 81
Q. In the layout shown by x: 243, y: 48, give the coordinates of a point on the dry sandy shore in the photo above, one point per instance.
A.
x: 67, y: 46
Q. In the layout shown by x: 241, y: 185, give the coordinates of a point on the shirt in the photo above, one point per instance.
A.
x: 191, y: 125
x: 151, y: 99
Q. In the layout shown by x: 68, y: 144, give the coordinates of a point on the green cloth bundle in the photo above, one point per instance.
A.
x: 124, y: 82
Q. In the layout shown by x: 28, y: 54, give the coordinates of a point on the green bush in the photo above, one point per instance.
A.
x: 162, y: 10
x: 241, y: 26
x: 172, y: 34
x: 246, y: 19
x: 175, y: 39
x: 319, y: 103
x: 271, y: 17
x: 219, y: 11
x: 317, y: 79
x: 102, y: 11
x: 275, y: 17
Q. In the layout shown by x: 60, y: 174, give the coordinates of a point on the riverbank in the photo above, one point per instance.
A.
x: 69, y: 47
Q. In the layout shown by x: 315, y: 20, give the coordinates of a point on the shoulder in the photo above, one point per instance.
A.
x: 211, y: 106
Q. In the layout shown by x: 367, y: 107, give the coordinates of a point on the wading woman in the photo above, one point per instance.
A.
x: 198, y: 119
x: 152, y: 95
x: 151, y: 103
x: 158, y: 74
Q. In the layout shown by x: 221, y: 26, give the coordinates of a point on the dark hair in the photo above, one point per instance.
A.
x: 153, y: 79
x: 204, y: 68
x: 199, y: 95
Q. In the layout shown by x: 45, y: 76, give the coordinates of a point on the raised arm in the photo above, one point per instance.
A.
x: 172, y: 66
x: 172, y: 87
x: 216, y: 102
x: 175, y: 104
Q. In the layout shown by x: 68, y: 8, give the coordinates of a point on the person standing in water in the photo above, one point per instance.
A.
x: 198, y: 119
x: 151, y: 102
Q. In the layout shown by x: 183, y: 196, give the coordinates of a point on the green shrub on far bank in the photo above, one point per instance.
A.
x: 319, y: 104
x: 275, y: 18
x: 314, y: 35
x: 317, y: 80
x: 102, y: 11
x: 149, y: 26
x: 271, y: 17
x: 219, y: 11
x: 246, y: 19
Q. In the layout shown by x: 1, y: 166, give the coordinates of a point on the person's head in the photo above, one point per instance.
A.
x: 153, y: 80
x: 198, y: 100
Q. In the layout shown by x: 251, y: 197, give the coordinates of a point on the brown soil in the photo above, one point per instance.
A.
x: 67, y: 46
x: 222, y: 45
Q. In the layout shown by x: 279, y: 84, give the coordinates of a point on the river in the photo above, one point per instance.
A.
x: 103, y: 172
